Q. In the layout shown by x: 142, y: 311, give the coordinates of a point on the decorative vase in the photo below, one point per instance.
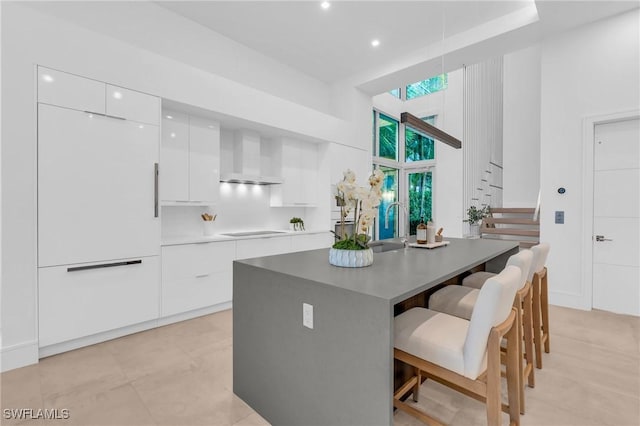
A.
x: 474, y: 230
x: 351, y: 258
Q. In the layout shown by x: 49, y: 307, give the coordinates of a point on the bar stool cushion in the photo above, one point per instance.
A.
x: 455, y: 300
x: 477, y: 279
x: 432, y: 336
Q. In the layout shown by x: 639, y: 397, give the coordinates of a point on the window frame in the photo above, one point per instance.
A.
x: 404, y: 168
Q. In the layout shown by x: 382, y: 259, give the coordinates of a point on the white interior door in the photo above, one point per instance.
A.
x: 616, y: 229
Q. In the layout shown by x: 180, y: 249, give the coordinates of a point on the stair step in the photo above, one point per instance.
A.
x: 518, y: 210
x: 511, y: 231
x: 528, y: 244
x: 510, y: 221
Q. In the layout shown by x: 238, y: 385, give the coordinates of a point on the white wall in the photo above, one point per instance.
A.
x: 447, y: 105
x: 29, y: 38
x: 521, y: 128
x: 154, y: 28
x: 590, y: 71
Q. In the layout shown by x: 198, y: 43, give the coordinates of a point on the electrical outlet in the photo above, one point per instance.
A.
x: 560, y: 217
x: 307, y: 315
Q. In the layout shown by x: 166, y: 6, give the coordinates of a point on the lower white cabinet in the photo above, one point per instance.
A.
x: 311, y: 241
x: 84, y: 299
x: 258, y: 247
x: 196, y: 276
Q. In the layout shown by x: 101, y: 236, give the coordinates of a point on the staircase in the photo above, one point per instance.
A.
x: 512, y: 224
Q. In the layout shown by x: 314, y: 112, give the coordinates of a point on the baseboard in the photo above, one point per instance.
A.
x: 568, y: 300
x: 20, y: 355
x: 194, y: 314
x: 136, y: 328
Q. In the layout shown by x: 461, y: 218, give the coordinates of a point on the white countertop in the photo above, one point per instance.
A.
x: 194, y: 239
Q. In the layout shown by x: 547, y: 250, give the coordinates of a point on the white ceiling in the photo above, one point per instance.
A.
x: 334, y: 44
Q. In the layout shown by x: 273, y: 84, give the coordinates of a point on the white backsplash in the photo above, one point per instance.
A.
x: 241, y: 207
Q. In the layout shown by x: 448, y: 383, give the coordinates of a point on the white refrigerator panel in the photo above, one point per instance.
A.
x: 96, y: 183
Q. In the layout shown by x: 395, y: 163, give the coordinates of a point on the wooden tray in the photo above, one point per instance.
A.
x: 429, y: 246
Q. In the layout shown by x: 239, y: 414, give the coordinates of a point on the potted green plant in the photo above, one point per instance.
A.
x: 353, y: 250
x: 296, y: 224
x: 474, y: 217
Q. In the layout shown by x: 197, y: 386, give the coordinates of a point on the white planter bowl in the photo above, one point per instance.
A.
x: 350, y: 258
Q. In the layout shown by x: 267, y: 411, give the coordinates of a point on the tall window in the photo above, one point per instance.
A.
x: 388, y: 141
x: 424, y: 87
x: 406, y: 158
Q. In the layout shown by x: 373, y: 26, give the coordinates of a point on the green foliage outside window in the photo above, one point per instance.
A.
x: 420, y: 200
x: 424, y: 87
x: 388, y: 137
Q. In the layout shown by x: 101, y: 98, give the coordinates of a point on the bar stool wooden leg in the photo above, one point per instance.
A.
x: 544, y: 305
x: 515, y: 389
x: 537, y: 322
x: 528, y: 339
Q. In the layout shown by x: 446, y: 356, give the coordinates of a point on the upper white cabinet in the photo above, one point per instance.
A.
x: 204, y: 160
x: 84, y: 94
x: 297, y: 163
x: 70, y: 91
x: 96, y: 187
x: 132, y: 105
x: 189, y: 159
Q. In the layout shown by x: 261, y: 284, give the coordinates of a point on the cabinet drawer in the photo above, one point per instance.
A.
x: 187, y: 294
x: 195, y: 260
x: 311, y: 241
x: 77, y: 302
x: 259, y: 247
x: 132, y: 105
x: 70, y: 91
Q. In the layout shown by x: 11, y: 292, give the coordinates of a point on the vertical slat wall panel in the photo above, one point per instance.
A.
x: 482, y: 122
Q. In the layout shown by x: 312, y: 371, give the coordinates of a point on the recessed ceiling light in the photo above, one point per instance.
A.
x: 117, y: 95
x: 47, y: 78
x: 173, y: 135
x: 210, y: 126
x: 169, y: 117
x: 140, y: 126
x: 375, y: 43
x: 325, y: 5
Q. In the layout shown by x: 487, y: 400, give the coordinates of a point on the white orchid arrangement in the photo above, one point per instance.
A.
x: 363, y: 202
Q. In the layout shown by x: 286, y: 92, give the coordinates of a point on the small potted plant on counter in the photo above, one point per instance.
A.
x: 353, y: 250
x: 296, y: 224
x: 474, y: 217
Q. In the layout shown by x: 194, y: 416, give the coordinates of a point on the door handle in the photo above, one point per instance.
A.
x: 602, y: 238
x: 155, y: 190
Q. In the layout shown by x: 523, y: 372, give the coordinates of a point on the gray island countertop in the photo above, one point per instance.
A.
x: 395, y: 275
x: 338, y: 368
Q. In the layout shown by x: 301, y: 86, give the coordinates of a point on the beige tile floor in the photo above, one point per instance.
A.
x: 181, y: 374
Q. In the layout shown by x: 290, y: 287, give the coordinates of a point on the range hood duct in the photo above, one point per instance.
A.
x: 246, y: 161
x: 415, y: 123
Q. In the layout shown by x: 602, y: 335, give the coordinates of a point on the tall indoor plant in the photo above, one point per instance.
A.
x: 353, y: 250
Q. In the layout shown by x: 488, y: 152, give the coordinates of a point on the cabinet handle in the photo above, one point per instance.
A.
x: 155, y: 189
x: 104, y: 265
x: 202, y: 275
x: 105, y: 115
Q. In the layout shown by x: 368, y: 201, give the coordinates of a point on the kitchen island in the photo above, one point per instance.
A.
x: 340, y: 371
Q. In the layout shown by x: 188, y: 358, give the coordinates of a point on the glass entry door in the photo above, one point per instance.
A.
x: 419, y: 196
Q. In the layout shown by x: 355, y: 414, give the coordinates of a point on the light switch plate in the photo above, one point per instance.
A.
x: 307, y: 315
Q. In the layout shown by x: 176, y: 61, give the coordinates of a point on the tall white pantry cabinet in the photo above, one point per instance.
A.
x: 98, y: 224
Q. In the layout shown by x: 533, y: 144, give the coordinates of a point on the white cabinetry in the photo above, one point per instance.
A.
x: 89, y: 298
x: 98, y: 224
x: 297, y: 164
x: 84, y: 94
x: 311, y: 241
x: 95, y: 187
x: 196, y: 276
x: 258, y: 247
x: 189, y: 159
